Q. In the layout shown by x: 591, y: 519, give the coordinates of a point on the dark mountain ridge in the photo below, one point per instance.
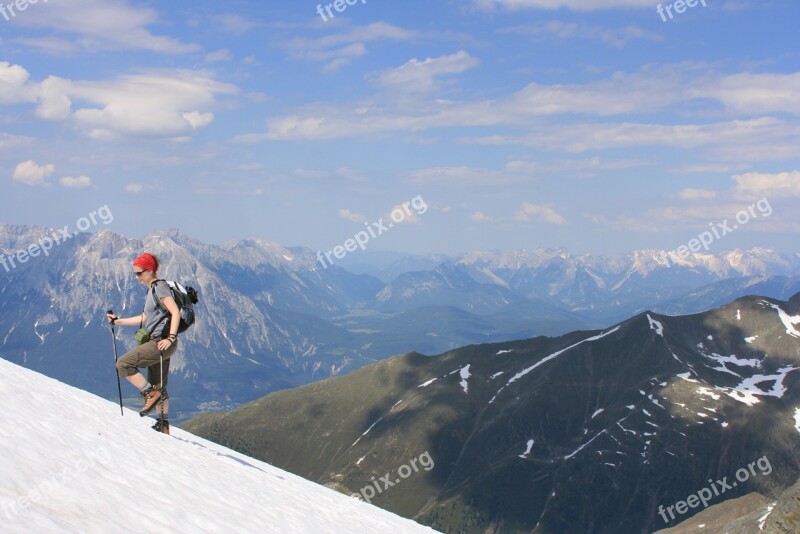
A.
x: 593, y: 431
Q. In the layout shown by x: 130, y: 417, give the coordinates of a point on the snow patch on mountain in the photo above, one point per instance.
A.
x: 748, y: 390
x: 655, y: 325
x: 788, y: 320
x: 367, y: 431
x: 527, y: 449
x: 762, y: 521
x: 428, y: 383
x: 708, y: 392
x: 463, y: 372
x: 464, y: 376
x: 723, y: 362
x: 549, y: 358
x: 579, y: 449
x: 687, y: 377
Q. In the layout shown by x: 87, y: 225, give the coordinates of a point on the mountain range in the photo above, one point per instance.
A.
x: 271, y: 317
x: 628, y: 429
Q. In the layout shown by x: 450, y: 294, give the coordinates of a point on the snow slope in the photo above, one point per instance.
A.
x: 70, y: 463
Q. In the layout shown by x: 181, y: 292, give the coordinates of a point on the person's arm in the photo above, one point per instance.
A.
x: 174, y: 323
x: 127, y: 321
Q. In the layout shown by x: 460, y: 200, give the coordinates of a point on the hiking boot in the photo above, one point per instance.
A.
x: 151, y: 396
x: 162, y: 425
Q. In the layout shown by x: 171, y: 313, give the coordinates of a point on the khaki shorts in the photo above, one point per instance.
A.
x: 148, y: 356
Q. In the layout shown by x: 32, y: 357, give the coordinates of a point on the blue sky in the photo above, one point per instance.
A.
x: 592, y: 125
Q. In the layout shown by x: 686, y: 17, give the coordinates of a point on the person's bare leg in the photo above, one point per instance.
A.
x: 138, y: 380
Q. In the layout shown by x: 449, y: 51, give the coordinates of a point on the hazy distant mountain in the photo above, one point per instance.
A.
x: 718, y: 293
x: 449, y: 285
x: 269, y: 317
x: 387, y: 266
x: 602, y: 290
x: 607, y: 289
x: 272, y: 317
x: 598, y: 431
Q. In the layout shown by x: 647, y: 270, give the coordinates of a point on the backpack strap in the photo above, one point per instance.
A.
x: 160, y: 305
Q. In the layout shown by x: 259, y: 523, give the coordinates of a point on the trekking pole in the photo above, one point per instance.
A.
x: 114, y: 338
x: 160, y: 417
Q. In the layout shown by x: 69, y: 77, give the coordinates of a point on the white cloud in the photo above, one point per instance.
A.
x: 628, y: 223
x: 403, y: 214
x: 647, y: 91
x: 352, y: 216
x: 581, y: 168
x: 551, y: 116
x: 481, y: 217
x: 575, y: 5
x: 310, y: 173
x: 49, y: 45
x: 13, y: 141
x: 134, y: 188
x: 341, y: 48
x: 197, y: 119
x: 76, y: 183
x: 541, y: 212
x: 32, y: 174
x: 741, y: 140
x: 236, y: 24
x: 697, y: 194
x: 753, y: 94
x: 784, y: 184
x: 420, y: 76
x: 461, y: 176
x: 220, y: 55
x: 351, y: 175
x: 698, y: 214
x: 708, y: 168
x: 14, y: 85
x: 102, y: 25
x: 151, y: 104
x: 556, y: 30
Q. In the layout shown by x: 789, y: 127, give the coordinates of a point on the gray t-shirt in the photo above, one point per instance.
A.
x: 156, y: 319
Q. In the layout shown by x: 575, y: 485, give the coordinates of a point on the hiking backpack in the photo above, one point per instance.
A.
x: 185, y: 298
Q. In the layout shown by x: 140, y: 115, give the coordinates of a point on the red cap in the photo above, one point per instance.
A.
x: 147, y: 262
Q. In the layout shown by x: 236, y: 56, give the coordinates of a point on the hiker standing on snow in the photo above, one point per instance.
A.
x: 153, y: 353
